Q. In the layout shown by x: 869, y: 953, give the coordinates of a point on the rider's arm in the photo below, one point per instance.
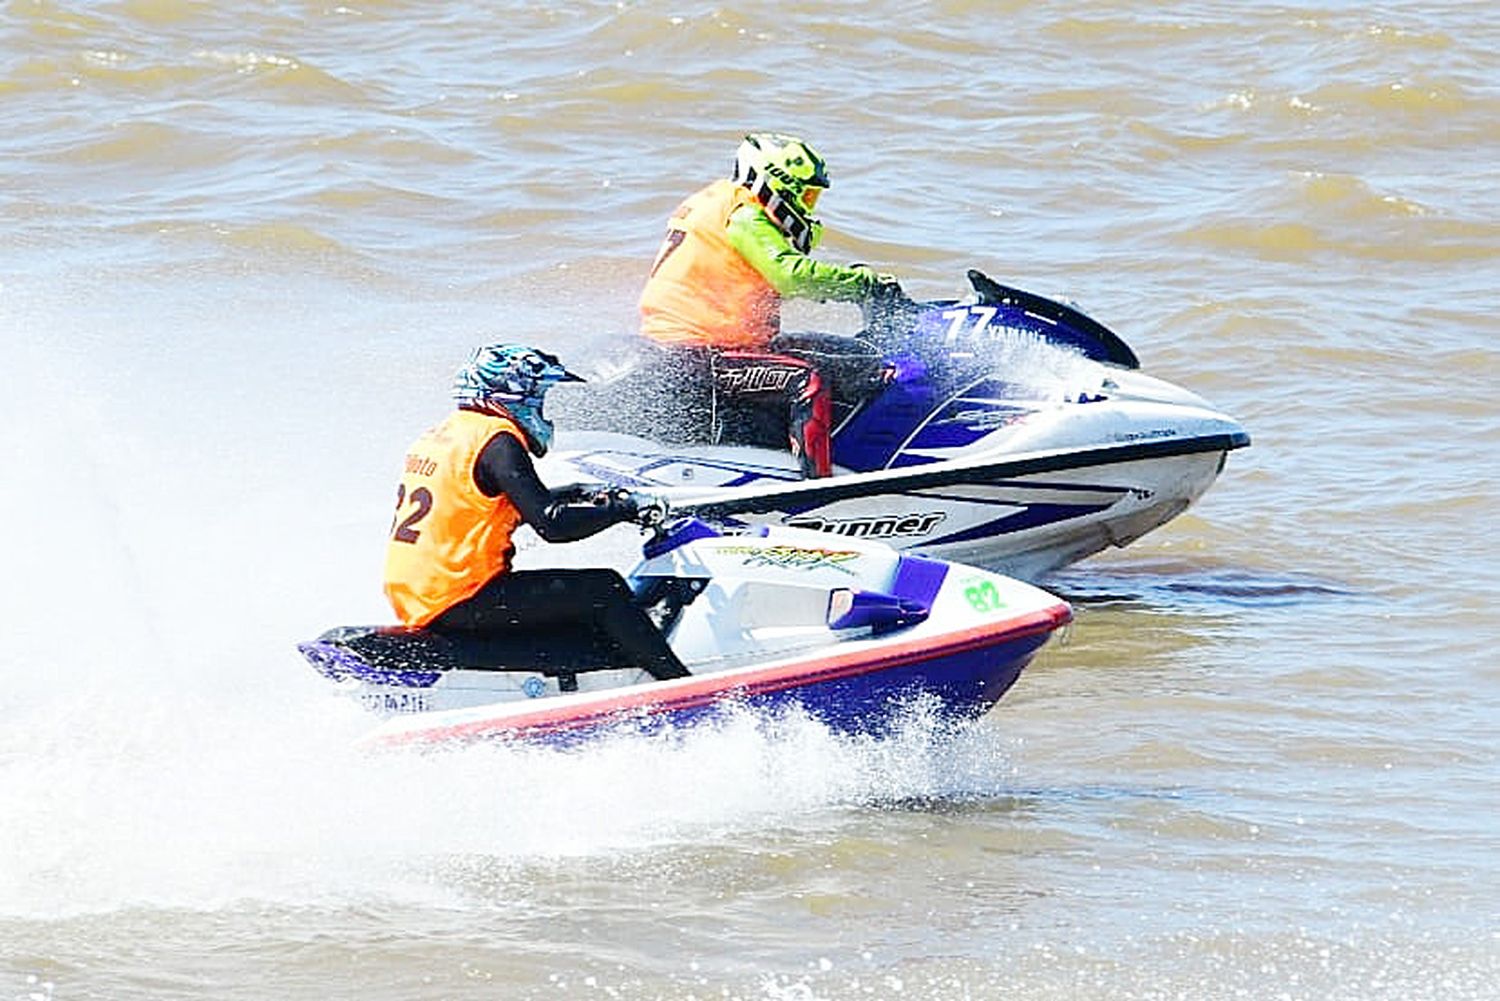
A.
x: 504, y: 467
x: 786, y: 269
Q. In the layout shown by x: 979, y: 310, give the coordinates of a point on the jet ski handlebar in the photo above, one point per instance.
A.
x: 644, y: 509
x: 651, y: 512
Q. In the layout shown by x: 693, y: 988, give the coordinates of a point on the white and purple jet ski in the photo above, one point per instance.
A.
x: 1009, y: 430
x: 849, y: 629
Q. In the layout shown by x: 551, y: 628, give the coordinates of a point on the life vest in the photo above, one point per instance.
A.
x: 701, y: 291
x: 447, y: 538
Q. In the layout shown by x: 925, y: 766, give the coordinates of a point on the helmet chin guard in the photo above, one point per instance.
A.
x: 537, y: 428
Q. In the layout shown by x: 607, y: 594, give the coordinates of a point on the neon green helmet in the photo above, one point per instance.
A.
x: 787, y: 176
x: 788, y: 164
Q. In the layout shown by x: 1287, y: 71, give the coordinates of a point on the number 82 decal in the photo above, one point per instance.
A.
x: 983, y: 596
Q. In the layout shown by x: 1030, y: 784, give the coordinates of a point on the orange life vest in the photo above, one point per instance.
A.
x: 701, y: 291
x: 447, y: 538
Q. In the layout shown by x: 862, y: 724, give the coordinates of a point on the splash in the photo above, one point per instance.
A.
x: 1041, y: 369
x: 154, y: 799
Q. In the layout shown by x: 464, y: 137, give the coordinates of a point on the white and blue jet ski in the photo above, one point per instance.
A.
x: 850, y: 630
x: 1009, y: 430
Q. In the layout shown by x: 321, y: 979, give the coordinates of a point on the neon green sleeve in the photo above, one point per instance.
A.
x: 789, y: 271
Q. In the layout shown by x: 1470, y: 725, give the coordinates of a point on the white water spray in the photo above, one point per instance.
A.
x: 163, y: 745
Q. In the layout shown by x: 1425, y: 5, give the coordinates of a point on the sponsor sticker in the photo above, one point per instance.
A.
x: 990, y: 418
x: 396, y: 702
x: 757, y: 378
x: 1146, y: 435
x: 903, y: 526
x: 793, y: 557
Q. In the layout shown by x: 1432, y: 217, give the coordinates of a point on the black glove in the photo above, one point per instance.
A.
x: 620, y: 502
x: 886, y: 290
x: 627, y: 505
x: 575, y: 493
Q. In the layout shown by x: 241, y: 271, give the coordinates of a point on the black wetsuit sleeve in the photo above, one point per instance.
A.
x: 504, y: 467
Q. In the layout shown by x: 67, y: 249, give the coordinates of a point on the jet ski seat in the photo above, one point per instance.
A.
x: 557, y: 650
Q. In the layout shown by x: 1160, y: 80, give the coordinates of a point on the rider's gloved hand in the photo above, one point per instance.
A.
x: 883, y: 287
x: 576, y: 493
x: 886, y: 289
x: 628, y: 505
x: 620, y: 502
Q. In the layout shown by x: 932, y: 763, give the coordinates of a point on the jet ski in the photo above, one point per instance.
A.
x: 850, y: 630
x: 1005, y: 429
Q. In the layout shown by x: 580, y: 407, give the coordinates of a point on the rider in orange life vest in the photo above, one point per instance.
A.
x: 465, y: 486
x: 733, y: 250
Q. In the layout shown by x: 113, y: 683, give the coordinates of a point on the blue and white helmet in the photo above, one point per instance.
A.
x: 512, y: 379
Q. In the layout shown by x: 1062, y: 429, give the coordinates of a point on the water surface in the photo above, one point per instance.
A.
x: 242, y: 248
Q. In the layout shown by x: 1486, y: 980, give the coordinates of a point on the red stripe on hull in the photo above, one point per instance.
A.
x: 692, y: 693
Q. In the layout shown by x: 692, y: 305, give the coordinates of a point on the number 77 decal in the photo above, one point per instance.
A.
x: 958, y: 317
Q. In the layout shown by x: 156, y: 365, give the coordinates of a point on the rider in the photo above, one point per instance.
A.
x: 732, y: 252
x: 468, y: 483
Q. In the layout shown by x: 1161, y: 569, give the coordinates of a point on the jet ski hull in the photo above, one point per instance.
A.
x: 849, y: 630
x: 961, y: 679
x: 1010, y: 431
x: 1022, y: 514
